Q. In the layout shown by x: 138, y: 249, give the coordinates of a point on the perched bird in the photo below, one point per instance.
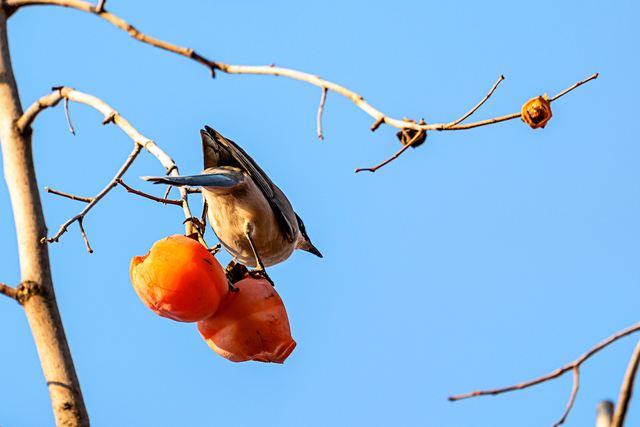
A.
x: 251, y: 216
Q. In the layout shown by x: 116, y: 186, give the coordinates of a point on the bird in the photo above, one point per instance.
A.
x: 252, y: 218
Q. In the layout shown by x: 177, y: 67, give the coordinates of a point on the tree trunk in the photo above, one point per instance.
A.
x: 36, y: 291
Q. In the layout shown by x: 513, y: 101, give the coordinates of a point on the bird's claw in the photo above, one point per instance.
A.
x: 261, y: 273
x: 214, y: 250
x: 232, y: 287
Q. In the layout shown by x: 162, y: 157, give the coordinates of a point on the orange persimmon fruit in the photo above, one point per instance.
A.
x: 179, y: 279
x: 251, y: 324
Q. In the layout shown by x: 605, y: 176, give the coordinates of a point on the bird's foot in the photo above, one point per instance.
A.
x: 260, y: 272
x: 232, y: 287
x: 214, y: 250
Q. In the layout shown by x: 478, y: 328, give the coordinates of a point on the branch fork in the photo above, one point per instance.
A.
x: 23, y: 125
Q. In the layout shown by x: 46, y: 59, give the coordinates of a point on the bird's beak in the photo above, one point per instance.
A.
x: 312, y: 249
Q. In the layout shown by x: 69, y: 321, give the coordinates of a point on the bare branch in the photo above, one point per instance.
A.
x: 166, y: 193
x: 110, y: 116
x: 29, y: 116
x: 595, y: 76
x: 84, y: 235
x: 324, y: 96
x: 267, y: 70
x: 626, y: 389
x: 574, y: 392
x: 377, y: 124
x: 395, y: 156
x: 66, y: 113
x: 473, y: 110
x: 9, y: 291
x: 59, y: 193
x: 555, y: 374
x: 39, y: 302
x: 96, y: 199
x: 149, y: 196
x: 483, y: 122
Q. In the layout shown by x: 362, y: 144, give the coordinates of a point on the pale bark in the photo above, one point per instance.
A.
x: 36, y: 292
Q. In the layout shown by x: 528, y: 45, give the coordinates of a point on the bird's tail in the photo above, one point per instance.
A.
x: 224, y: 180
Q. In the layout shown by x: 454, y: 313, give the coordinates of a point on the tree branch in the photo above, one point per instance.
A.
x: 95, y: 200
x: 322, y: 99
x: 473, y: 110
x: 574, y: 392
x: 70, y: 196
x: 395, y: 156
x: 29, y: 116
x: 24, y: 122
x: 274, y: 71
x: 626, y: 389
x: 558, y: 372
x: 149, y: 196
x: 9, y: 291
x: 39, y: 302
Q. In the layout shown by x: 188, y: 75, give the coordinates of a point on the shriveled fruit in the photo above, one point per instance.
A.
x: 536, y: 112
x: 179, y: 279
x: 251, y: 324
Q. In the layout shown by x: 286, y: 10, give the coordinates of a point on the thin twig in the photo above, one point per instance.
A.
x: 166, y: 193
x: 72, y: 197
x: 9, y: 291
x: 66, y: 112
x: 473, y: 110
x: 110, y: 116
x: 264, y: 70
x: 595, y: 76
x: 324, y: 96
x: 84, y: 235
x: 149, y: 196
x: 626, y: 389
x: 96, y: 199
x: 555, y: 374
x: 395, y: 156
x: 574, y: 392
x: 482, y: 122
x: 377, y: 124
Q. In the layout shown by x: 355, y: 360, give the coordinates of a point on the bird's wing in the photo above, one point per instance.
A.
x: 260, y: 178
x: 218, y: 179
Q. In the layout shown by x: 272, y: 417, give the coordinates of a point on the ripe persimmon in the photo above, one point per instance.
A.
x: 179, y: 279
x: 251, y: 324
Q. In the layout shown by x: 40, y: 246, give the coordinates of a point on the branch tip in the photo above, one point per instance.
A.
x: 84, y: 235
x: 66, y: 112
x: 322, y: 99
x: 377, y: 124
x: 110, y: 118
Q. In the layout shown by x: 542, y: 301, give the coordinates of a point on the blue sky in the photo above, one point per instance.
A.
x: 481, y: 259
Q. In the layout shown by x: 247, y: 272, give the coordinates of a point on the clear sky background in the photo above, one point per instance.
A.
x: 483, y: 258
